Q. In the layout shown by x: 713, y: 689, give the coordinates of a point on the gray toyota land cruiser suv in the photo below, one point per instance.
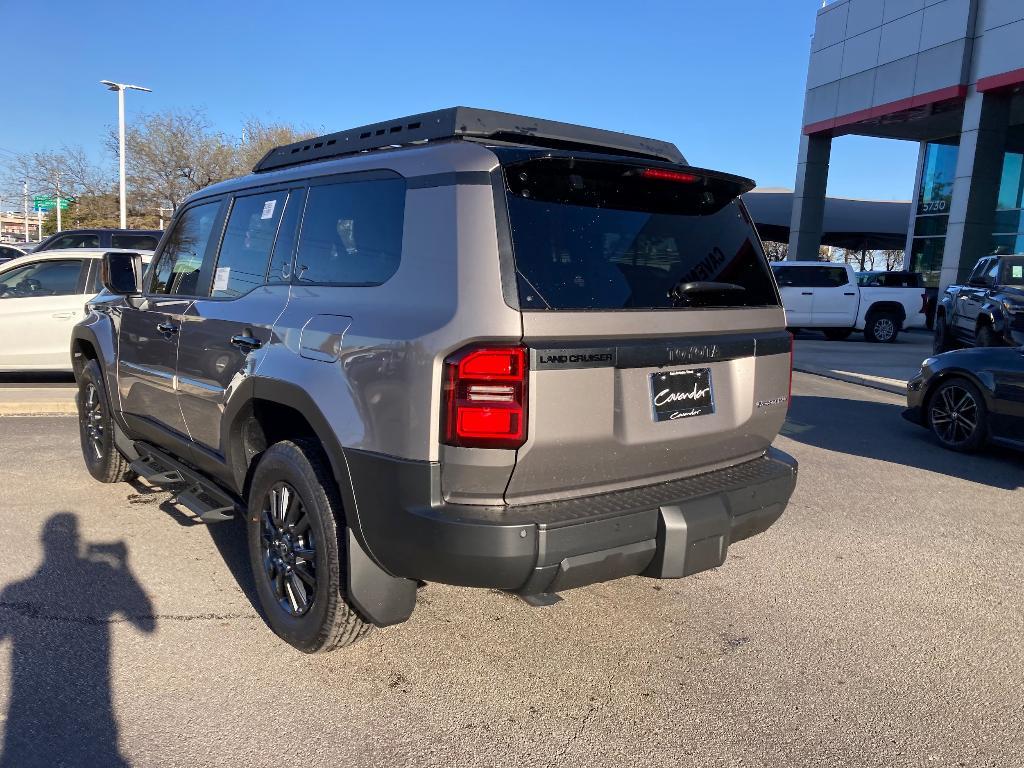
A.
x: 465, y: 347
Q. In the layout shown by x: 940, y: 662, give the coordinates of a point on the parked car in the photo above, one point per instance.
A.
x: 42, y: 296
x: 986, y: 312
x: 970, y: 398
x: 826, y: 297
x: 132, y: 239
x: 892, y: 279
x: 465, y: 347
x: 8, y: 252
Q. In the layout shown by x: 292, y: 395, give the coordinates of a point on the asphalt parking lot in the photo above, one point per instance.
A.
x: 878, y: 623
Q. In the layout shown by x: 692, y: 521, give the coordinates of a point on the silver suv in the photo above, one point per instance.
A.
x: 464, y: 347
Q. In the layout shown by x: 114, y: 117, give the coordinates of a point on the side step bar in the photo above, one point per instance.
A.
x: 191, y: 490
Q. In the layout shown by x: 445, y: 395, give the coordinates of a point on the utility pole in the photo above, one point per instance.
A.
x: 59, y: 227
x: 39, y: 221
x: 24, y: 194
x: 121, y: 88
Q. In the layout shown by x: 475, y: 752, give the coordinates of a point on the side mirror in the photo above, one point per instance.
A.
x: 121, y: 273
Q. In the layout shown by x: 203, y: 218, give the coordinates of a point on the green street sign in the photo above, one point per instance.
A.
x: 46, y: 203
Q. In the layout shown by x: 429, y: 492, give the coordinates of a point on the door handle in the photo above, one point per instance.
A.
x: 168, y: 328
x: 849, y: 294
x: 62, y: 315
x: 807, y: 293
x: 246, y: 342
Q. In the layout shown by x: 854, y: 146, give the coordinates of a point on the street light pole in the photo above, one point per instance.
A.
x: 24, y: 193
x: 121, y: 88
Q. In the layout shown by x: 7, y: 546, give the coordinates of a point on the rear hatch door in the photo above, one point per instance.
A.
x: 657, y: 338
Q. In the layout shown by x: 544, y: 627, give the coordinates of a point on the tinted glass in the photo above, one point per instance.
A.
x: 181, y: 260
x: 42, y: 278
x: 598, y: 235
x: 75, y: 241
x: 248, y: 240
x: 140, y: 242
x: 351, y: 233
x: 1013, y: 272
x: 281, y: 262
x: 937, y: 178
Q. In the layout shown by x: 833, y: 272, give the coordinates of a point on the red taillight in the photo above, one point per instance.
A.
x: 666, y: 175
x: 485, y: 397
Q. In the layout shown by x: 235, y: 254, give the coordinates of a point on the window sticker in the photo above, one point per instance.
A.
x: 220, y: 278
x: 268, y: 209
x: 1018, y: 272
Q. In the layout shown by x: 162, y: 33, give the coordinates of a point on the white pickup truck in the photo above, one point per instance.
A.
x: 826, y: 297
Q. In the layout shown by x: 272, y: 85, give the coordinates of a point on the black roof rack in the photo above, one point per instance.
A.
x: 466, y: 122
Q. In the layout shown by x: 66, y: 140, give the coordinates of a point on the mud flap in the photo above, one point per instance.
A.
x: 381, y: 598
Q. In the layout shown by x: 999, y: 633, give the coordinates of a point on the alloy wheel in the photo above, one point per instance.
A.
x: 884, y: 329
x: 289, y: 549
x: 92, y: 419
x: 954, y: 415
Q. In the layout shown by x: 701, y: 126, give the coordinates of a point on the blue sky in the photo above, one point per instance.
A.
x: 723, y: 79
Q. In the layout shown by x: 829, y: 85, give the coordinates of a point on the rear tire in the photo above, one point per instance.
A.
x: 837, y: 334
x: 943, y: 340
x: 96, y: 428
x: 296, y: 537
x: 986, y: 337
x: 957, y: 415
x: 882, y: 328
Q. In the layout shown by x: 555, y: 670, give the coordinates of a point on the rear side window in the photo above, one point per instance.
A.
x: 812, y: 277
x: 351, y: 233
x: 607, y: 236
x: 181, y: 259
x: 1013, y: 272
x: 248, y: 240
x: 75, y: 241
x: 133, y: 242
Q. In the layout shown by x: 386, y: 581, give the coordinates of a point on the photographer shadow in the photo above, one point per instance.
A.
x: 58, y: 621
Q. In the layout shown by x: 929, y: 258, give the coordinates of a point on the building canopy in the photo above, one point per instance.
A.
x: 856, y: 225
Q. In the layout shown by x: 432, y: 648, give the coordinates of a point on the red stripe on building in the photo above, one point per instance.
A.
x: 998, y: 82
x: 951, y: 93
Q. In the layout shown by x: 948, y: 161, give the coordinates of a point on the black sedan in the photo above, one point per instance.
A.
x: 971, y: 397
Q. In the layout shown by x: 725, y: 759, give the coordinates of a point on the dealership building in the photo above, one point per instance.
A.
x: 948, y: 74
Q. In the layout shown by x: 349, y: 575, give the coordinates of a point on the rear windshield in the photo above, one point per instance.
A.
x: 605, y: 236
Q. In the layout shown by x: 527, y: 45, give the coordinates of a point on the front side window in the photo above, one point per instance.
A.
x: 181, y: 260
x: 248, y: 240
x: 832, y: 277
x: 594, y: 235
x: 41, y: 278
x: 351, y: 233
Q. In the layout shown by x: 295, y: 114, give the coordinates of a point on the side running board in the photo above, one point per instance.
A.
x: 191, y: 490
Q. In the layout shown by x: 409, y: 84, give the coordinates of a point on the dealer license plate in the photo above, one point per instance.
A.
x: 682, y: 394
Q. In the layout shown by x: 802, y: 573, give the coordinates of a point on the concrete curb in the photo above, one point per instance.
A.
x: 38, y: 409
x: 850, y: 378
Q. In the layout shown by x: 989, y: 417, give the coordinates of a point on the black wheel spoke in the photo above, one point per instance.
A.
x: 305, y: 553
x: 301, y: 571
x: 301, y: 524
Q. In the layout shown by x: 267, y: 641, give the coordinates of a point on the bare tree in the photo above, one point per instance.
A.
x: 68, y: 172
x: 893, y: 260
x: 259, y: 137
x: 776, y: 251
x: 172, y: 154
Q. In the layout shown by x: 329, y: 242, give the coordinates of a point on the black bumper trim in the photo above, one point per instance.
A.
x: 415, y: 534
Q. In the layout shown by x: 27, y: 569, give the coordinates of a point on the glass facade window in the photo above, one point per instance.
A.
x: 937, y: 178
x: 1008, y: 230
x: 933, y: 204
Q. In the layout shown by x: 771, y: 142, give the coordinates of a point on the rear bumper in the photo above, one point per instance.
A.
x: 668, y: 530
